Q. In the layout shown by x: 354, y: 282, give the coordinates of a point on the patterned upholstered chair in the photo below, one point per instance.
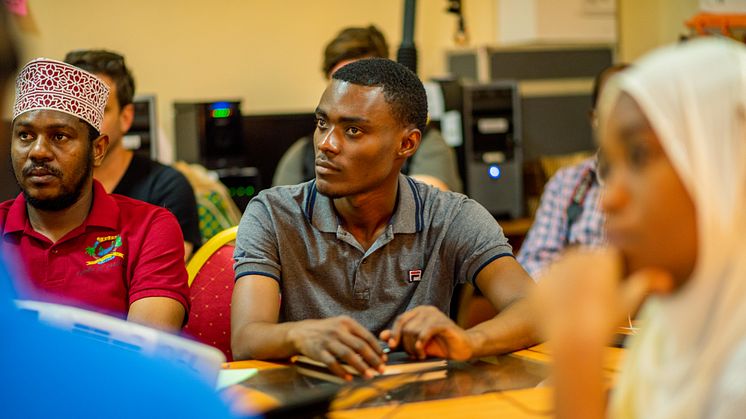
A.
x: 210, y: 288
x: 215, y: 207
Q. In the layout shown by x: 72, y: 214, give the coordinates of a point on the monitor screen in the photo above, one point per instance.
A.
x: 268, y: 136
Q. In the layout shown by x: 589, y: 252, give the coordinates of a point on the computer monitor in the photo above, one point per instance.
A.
x: 268, y: 136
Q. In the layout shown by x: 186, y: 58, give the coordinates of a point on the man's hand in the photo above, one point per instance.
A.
x: 426, y: 331
x: 339, y: 339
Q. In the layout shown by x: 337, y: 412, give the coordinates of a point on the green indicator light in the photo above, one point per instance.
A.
x: 250, y: 190
x: 221, y: 113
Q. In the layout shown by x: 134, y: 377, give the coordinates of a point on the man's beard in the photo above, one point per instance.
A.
x: 331, y: 194
x: 67, y: 196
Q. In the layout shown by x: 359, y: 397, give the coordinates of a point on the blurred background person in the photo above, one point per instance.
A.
x: 672, y: 134
x: 122, y: 171
x: 435, y: 161
x: 569, y: 213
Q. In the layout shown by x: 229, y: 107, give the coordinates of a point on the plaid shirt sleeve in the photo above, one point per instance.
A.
x: 547, y: 237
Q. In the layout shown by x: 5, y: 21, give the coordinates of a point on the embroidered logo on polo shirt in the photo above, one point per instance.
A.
x: 104, y: 250
x: 415, y: 275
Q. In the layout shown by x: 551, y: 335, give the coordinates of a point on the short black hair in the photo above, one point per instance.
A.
x: 110, y: 64
x: 402, y: 89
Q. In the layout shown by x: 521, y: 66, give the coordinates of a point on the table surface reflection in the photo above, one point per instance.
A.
x: 460, y: 379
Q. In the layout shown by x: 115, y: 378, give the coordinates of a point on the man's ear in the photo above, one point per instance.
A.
x: 126, y: 116
x: 410, y: 142
x: 100, y: 145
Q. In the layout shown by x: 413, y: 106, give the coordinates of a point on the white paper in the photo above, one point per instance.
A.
x: 229, y: 377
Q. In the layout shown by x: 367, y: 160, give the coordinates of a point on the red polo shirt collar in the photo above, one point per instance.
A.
x: 104, y: 213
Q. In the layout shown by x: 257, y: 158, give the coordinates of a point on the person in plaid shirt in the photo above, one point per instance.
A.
x: 569, y: 213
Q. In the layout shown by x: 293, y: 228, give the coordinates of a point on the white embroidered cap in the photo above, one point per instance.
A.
x: 53, y: 85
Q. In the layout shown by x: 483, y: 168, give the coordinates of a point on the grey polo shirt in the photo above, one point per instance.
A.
x: 434, y: 241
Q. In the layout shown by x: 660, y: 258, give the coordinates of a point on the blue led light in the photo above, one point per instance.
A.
x: 220, y: 105
x: 494, y: 171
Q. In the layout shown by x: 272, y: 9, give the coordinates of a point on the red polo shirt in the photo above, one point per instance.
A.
x: 124, y: 251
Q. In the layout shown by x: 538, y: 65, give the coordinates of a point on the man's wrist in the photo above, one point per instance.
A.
x: 291, y: 337
x: 475, y: 341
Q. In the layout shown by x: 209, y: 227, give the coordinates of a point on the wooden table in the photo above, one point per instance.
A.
x: 528, y: 403
x: 541, y: 353
x: 523, y: 403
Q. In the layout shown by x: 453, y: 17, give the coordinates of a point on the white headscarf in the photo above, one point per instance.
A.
x: 694, y: 95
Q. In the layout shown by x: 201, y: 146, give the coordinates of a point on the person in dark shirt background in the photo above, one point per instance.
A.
x: 125, y: 173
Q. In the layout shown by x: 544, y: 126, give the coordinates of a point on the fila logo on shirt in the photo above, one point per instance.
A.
x: 415, y: 275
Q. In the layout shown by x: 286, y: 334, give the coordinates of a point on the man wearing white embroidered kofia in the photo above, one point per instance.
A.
x: 78, y: 244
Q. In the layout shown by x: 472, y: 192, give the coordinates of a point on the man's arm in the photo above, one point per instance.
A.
x: 476, y: 245
x: 159, y: 312
x: 158, y: 290
x: 426, y: 331
x: 255, y: 305
x: 505, y: 284
x: 255, y: 333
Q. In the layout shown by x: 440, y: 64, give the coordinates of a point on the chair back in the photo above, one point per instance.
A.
x: 210, y: 289
x: 215, y: 207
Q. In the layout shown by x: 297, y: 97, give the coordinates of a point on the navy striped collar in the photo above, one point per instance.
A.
x: 408, y: 215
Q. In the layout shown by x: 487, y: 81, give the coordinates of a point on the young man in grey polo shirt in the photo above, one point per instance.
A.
x: 361, y: 250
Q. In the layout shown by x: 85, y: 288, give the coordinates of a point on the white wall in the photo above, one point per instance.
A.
x: 523, y: 21
x: 267, y: 53
x: 646, y: 24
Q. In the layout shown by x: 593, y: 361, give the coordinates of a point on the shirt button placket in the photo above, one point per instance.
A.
x: 361, y: 283
x: 51, y: 259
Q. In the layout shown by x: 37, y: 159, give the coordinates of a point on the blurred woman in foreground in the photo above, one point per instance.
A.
x: 673, y: 136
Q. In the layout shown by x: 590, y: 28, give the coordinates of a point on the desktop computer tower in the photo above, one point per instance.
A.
x: 210, y: 133
x: 493, y: 156
x: 555, y: 95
